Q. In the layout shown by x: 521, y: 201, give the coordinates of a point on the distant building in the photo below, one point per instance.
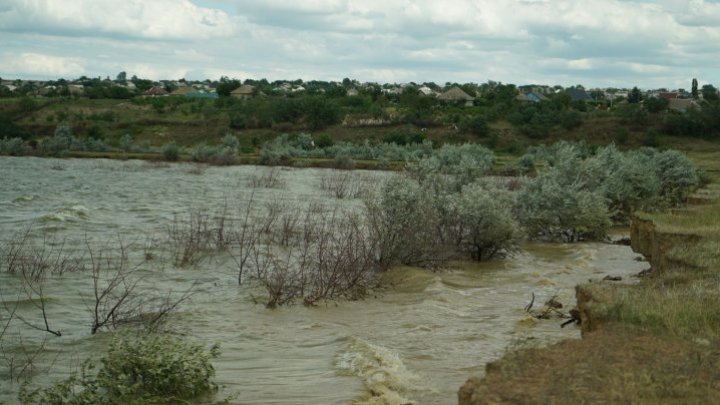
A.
x: 155, y: 91
x: 578, y: 95
x: 183, y: 91
x: 426, y: 91
x: 456, y: 94
x: 682, y: 104
x: 243, y: 92
x: 667, y: 95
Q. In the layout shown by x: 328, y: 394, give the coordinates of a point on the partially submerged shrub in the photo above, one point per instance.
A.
x: 153, y: 368
x: 559, y: 205
x: 464, y: 163
x: 403, y: 224
x: 482, y: 222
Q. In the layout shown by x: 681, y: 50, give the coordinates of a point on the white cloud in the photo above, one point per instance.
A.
x: 153, y: 19
x: 43, y: 65
x: 644, y: 42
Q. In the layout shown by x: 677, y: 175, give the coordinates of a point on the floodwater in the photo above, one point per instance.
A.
x: 416, y: 341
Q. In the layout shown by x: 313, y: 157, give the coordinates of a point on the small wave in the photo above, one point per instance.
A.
x: 72, y: 213
x: 383, y: 372
x: 25, y: 198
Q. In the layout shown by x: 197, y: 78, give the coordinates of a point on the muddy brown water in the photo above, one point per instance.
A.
x: 415, y: 341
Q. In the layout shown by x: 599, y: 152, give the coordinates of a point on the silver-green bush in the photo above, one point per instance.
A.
x: 153, y: 368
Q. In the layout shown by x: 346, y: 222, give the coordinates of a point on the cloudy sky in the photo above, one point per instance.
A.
x: 648, y: 43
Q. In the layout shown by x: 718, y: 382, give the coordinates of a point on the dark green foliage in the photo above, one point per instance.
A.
x: 171, y: 152
x: 323, y: 141
x: 404, y: 138
x: 709, y: 92
x: 475, y: 125
x: 320, y: 112
x: 634, y: 96
x: 26, y: 105
x: 107, y: 116
x: 651, y: 138
x: 622, y: 135
x: 571, y: 119
x: 238, y: 121
x: 226, y: 86
x: 633, y: 114
x: 8, y: 128
x: 95, y: 132
x: 656, y: 104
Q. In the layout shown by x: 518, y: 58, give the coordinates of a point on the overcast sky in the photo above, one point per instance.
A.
x: 597, y: 43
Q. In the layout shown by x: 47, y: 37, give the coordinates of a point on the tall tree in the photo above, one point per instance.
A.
x: 634, y: 96
x: 226, y: 86
x: 694, y: 88
x: 709, y: 92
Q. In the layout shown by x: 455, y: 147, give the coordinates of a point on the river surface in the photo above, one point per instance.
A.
x: 416, y: 340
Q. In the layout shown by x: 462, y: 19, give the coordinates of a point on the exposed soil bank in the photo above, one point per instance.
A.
x: 601, y: 367
x: 615, y: 361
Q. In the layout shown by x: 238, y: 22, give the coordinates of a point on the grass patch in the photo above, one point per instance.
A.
x: 687, y: 308
x: 703, y: 220
x: 612, y: 366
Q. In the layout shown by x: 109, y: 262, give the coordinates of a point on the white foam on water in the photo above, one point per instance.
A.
x: 385, y: 377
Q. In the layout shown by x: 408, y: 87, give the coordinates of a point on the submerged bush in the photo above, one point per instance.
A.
x: 403, y: 223
x: 482, y: 222
x: 556, y: 207
x: 154, y: 368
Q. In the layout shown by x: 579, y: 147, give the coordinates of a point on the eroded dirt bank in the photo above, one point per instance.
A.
x: 621, y: 357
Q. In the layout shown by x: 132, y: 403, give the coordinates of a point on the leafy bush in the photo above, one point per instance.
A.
x: 403, y: 223
x: 126, y: 142
x: 556, y: 206
x: 570, y: 119
x: 59, y: 143
x: 170, y: 151
x: 12, y: 146
x: 152, y: 368
x: 678, y: 177
x: 475, y: 125
x: 622, y: 135
x: 482, y: 221
x: 465, y: 163
x: 324, y: 141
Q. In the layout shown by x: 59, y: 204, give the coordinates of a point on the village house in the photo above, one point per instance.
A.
x: 456, y: 94
x: 155, y: 91
x: 243, y: 92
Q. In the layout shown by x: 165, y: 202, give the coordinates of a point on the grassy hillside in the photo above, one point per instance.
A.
x: 189, y: 123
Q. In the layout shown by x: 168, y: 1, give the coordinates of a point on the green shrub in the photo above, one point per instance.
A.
x: 566, y: 201
x: 482, y: 222
x: 622, y: 135
x: 324, y: 141
x: 570, y: 119
x: 60, y: 143
x: 12, y: 146
x: 403, y: 221
x: 152, y: 368
x: 475, y: 125
x: 651, y: 138
x: 171, y: 152
x: 126, y: 142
